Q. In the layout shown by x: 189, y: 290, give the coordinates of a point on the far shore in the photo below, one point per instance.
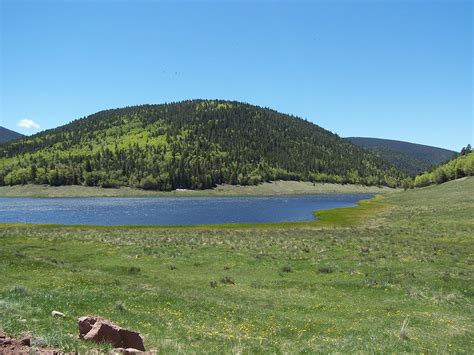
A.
x: 265, y: 189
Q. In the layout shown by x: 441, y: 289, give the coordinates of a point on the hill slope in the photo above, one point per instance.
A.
x: 8, y: 135
x: 457, y: 168
x: 409, y: 157
x: 191, y: 144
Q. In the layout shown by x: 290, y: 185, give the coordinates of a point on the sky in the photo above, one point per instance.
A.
x: 387, y: 69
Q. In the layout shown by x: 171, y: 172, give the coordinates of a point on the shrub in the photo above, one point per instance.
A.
x: 120, y: 306
x: 133, y: 270
x: 149, y: 183
x: 110, y: 184
x: 227, y: 280
x: 404, y: 330
x: 19, y: 291
x: 422, y: 180
x: 326, y: 270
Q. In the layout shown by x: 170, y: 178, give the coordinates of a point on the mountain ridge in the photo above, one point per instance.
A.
x: 413, y: 158
x: 8, y: 135
x: 189, y: 144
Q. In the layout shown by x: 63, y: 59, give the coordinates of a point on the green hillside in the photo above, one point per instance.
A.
x: 8, y: 135
x: 455, y: 169
x: 192, y: 144
x: 409, y: 157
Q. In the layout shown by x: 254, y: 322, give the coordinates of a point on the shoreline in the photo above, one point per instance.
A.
x: 330, y: 217
x: 264, y: 189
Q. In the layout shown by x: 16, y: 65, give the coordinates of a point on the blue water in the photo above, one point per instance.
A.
x: 170, y: 210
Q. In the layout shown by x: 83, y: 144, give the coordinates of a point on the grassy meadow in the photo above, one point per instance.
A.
x: 392, y: 275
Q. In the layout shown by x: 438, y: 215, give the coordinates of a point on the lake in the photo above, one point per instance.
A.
x: 170, y: 210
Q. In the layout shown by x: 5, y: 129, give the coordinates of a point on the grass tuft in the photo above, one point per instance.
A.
x: 133, y: 270
x: 213, y: 283
x: 326, y: 270
x: 227, y: 280
x: 404, y: 330
x: 120, y: 306
x: 19, y: 291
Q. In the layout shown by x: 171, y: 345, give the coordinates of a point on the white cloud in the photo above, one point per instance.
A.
x: 28, y: 124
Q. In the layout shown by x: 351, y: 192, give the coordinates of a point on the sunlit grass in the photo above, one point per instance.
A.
x: 392, y: 275
x: 351, y: 216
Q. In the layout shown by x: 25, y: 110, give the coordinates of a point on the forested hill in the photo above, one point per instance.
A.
x: 191, y: 144
x: 457, y: 168
x: 409, y: 157
x: 8, y: 135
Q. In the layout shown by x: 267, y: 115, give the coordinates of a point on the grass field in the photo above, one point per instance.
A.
x: 392, y: 275
x: 273, y: 188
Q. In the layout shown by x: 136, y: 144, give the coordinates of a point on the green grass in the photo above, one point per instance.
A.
x: 348, y: 283
x: 351, y: 216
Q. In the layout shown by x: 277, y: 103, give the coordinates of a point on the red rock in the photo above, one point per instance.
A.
x: 100, y: 330
x: 103, y: 332
x: 131, y: 339
x: 25, y: 342
x: 22, y: 346
x: 5, y: 341
x: 86, y: 323
x: 129, y: 351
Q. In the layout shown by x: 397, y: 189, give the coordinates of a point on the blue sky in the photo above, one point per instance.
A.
x: 388, y: 69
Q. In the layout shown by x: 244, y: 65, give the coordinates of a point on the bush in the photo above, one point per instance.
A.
x: 326, y: 270
x: 120, y: 306
x: 133, y: 270
x: 19, y: 291
x: 17, y: 177
x: 110, y: 184
x: 227, y: 280
x: 149, y: 183
x: 422, y: 180
x: 407, y: 183
x: 92, y: 178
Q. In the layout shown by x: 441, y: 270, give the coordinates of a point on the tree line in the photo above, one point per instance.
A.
x: 457, y: 168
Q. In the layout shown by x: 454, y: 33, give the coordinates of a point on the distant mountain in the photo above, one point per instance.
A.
x: 8, y: 135
x: 409, y: 157
x: 192, y: 144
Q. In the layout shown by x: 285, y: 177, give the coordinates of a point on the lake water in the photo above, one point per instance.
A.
x: 170, y: 210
